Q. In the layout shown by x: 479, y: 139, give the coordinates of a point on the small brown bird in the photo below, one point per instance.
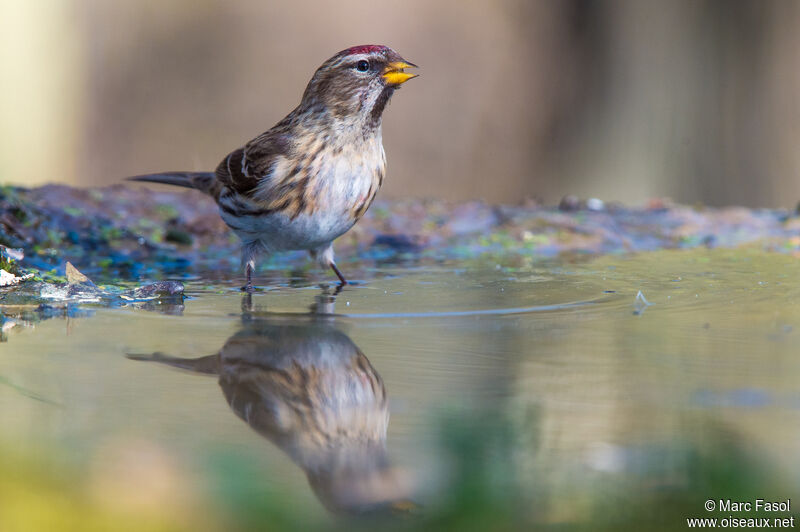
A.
x: 310, y: 178
x: 306, y: 387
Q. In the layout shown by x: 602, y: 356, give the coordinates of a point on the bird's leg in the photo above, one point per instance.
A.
x: 339, y: 275
x: 338, y: 290
x: 250, y: 251
x: 247, y: 302
x: 248, y: 272
x: 325, y: 303
x: 324, y: 256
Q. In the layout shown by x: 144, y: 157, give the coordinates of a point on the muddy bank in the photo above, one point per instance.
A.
x: 133, y: 232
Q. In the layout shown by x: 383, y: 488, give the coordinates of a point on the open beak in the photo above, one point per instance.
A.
x: 395, y: 74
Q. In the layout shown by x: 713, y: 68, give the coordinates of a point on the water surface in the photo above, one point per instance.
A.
x: 546, y: 393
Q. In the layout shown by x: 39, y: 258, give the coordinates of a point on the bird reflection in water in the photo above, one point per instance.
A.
x: 305, y: 386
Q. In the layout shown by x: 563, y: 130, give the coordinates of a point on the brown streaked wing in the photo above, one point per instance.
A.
x: 243, y: 169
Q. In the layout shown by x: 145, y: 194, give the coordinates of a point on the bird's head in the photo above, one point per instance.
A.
x: 357, y: 83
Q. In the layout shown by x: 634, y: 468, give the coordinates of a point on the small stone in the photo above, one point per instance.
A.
x: 594, y: 204
x: 179, y: 237
x: 156, y: 290
x: 9, y: 279
x: 640, y: 304
x: 399, y: 242
x: 569, y: 203
x: 11, y: 253
x: 76, y: 277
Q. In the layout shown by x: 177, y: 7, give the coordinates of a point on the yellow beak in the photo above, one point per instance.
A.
x: 394, y: 74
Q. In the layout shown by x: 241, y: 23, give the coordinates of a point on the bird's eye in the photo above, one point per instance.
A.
x: 362, y: 66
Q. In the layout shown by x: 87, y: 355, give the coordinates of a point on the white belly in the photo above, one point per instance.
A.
x: 278, y: 232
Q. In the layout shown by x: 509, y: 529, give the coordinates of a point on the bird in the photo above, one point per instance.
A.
x: 302, y: 384
x: 312, y: 176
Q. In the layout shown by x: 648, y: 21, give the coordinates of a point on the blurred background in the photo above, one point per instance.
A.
x: 696, y: 100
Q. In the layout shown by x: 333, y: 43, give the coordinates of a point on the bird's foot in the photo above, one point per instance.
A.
x: 248, y: 288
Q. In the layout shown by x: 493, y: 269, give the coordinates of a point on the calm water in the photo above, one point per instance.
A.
x: 554, y: 395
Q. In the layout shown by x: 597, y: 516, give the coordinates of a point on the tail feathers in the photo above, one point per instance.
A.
x: 202, y: 181
x: 208, y: 365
